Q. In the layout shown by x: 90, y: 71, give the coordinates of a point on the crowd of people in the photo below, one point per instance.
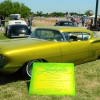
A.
x: 82, y: 21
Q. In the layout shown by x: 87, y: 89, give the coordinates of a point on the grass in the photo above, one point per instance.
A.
x: 87, y: 78
x: 2, y: 35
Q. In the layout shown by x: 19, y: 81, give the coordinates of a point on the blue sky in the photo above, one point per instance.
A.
x: 78, y: 6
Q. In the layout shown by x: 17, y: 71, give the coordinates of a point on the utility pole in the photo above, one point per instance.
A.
x: 96, y: 12
x: 79, y: 11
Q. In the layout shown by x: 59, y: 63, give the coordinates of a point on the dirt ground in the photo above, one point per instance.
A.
x: 46, y: 21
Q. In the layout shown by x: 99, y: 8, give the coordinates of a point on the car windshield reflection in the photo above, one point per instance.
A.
x: 44, y: 34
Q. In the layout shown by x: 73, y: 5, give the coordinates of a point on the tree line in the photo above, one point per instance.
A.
x: 8, y: 7
x: 60, y: 14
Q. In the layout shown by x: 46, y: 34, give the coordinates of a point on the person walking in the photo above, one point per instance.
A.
x: 77, y: 21
x: 83, y: 21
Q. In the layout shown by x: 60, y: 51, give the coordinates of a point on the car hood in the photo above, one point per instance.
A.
x: 21, y: 43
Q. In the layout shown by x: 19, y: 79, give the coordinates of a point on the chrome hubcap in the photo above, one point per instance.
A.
x: 29, y: 67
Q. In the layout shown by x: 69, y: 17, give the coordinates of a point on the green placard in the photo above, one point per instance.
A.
x: 52, y: 79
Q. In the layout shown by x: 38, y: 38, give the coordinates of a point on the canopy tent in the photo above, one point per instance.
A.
x: 93, y: 16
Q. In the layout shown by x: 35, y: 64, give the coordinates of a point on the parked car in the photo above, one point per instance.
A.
x: 64, y: 23
x: 49, y: 44
x: 17, y: 29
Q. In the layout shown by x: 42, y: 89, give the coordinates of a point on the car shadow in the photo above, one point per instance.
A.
x: 9, y: 78
x: 28, y: 84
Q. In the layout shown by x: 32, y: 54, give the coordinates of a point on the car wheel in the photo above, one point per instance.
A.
x: 7, y: 33
x: 27, y: 69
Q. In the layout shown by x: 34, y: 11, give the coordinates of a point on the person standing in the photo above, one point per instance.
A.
x: 98, y: 24
x: 91, y: 23
x: 83, y: 21
x: 30, y: 21
x: 57, y: 19
x: 73, y: 21
x: 33, y: 22
x: 77, y: 21
x: 99, y: 21
x: 3, y: 21
x: 16, y: 17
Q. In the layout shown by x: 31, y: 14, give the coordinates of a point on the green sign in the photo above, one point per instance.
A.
x: 52, y: 79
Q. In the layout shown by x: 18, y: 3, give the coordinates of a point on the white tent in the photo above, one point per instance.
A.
x: 93, y: 16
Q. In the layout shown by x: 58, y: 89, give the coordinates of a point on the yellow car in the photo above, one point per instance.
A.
x: 48, y: 44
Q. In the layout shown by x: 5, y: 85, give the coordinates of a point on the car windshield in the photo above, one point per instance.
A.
x: 46, y: 34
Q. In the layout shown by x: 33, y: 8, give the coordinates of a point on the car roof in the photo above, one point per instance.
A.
x: 19, y: 25
x: 67, y: 29
x: 11, y: 22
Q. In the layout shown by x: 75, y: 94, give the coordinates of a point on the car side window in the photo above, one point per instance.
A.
x: 75, y: 36
x: 79, y: 36
x: 65, y: 24
x: 66, y: 36
x: 70, y: 24
x: 86, y: 36
x: 58, y: 36
x: 58, y: 24
x: 46, y: 34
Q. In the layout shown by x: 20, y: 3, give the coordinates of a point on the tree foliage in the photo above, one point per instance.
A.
x: 7, y: 7
x: 87, y: 12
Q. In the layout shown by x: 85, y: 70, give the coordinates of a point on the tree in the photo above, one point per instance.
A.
x: 25, y: 11
x: 15, y: 8
x: 39, y: 13
x: 5, y: 7
x: 87, y: 12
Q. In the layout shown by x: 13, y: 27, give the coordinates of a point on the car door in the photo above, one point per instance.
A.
x: 75, y: 51
x: 94, y: 48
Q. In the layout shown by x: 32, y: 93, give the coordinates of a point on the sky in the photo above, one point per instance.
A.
x: 49, y: 6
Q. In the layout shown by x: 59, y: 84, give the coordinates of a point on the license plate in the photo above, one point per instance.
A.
x: 21, y: 34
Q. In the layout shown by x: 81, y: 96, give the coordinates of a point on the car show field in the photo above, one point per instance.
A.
x: 87, y: 77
